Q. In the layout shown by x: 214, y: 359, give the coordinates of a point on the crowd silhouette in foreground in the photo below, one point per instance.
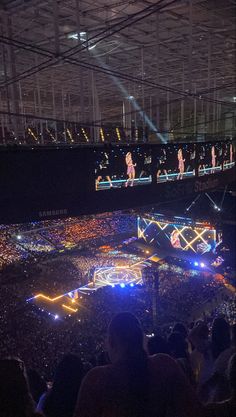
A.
x: 192, y: 373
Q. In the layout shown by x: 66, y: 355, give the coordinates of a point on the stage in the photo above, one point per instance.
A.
x: 68, y: 304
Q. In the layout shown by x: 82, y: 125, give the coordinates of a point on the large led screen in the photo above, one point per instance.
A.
x: 122, y: 167
x: 175, y: 162
x: 198, y: 239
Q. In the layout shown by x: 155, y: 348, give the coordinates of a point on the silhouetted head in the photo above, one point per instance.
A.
x: 177, y: 345
x: 125, y: 337
x: 180, y: 327
x: 15, y: 397
x: 220, y: 336
x: 61, y: 399
x: 198, y: 336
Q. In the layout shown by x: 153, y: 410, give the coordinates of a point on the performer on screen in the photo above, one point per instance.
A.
x: 231, y: 153
x: 103, y: 171
x: 130, y: 169
x: 162, y: 167
x: 191, y: 163
x: 202, y: 160
x: 175, y: 240
x: 181, y: 164
x: 213, y: 159
x: 146, y: 166
x: 225, y: 157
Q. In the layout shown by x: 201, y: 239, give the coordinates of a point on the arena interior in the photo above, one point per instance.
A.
x: 117, y: 208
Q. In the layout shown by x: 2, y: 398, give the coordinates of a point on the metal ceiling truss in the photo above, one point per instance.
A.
x: 115, y: 61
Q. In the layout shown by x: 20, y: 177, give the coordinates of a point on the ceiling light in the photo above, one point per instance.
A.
x: 92, y: 47
x: 82, y: 36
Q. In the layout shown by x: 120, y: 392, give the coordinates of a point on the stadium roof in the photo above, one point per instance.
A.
x: 96, y: 60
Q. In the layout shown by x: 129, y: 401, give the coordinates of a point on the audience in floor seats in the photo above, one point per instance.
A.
x: 135, y: 385
x: 15, y: 396
x: 60, y: 400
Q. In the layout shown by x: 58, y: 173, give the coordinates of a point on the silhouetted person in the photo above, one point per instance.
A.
x: 178, y: 347
x: 218, y: 384
x: 220, y: 339
x: 135, y: 385
x: 180, y: 327
x: 15, y: 397
x: 226, y: 408
x: 61, y: 399
x: 37, y: 384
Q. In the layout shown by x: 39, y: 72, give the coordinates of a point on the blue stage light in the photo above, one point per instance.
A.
x: 196, y: 263
x: 122, y: 285
x: 132, y: 285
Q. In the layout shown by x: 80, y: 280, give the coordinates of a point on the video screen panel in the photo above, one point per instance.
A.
x: 200, y: 240
x: 210, y: 158
x: 175, y: 162
x: 122, y: 167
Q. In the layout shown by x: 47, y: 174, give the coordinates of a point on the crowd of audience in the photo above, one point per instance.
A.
x: 197, y: 288
x: 59, y: 373
x: 190, y: 373
x: 39, y: 239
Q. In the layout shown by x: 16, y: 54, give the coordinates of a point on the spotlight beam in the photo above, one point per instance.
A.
x: 193, y: 202
x: 212, y: 201
x: 133, y: 102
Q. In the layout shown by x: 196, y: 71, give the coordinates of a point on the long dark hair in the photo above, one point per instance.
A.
x: 126, y: 329
x: 62, y: 398
x: 15, y: 397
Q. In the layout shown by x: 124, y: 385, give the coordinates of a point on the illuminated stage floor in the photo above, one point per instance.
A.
x: 61, y: 306
x: 68, y: 304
